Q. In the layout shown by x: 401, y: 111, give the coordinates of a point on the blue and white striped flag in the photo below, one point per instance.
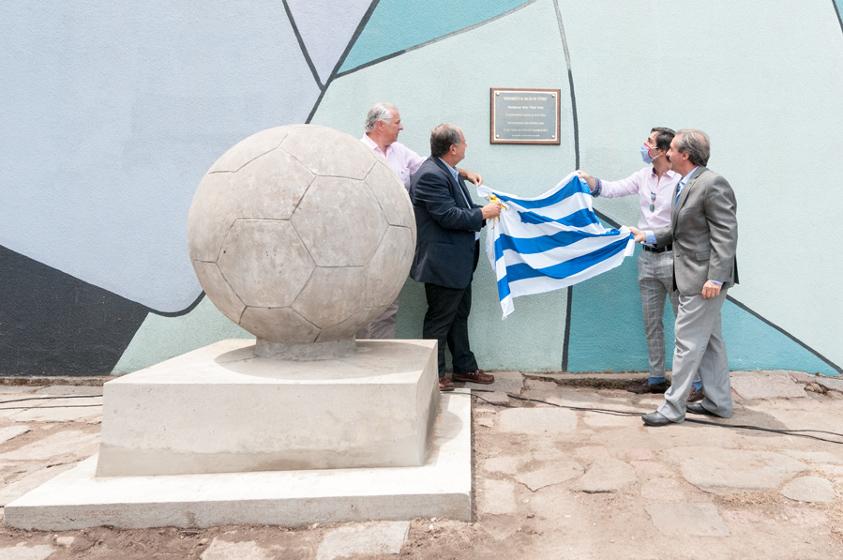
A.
x: 549, y: 242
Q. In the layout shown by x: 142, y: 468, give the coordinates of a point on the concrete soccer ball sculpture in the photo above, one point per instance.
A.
x: 301, y: 235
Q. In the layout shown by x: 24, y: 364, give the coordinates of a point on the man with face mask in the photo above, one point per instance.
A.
x: 654, y: 185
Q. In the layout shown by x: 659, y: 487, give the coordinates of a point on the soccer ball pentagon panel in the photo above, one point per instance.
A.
x: 300, y: 234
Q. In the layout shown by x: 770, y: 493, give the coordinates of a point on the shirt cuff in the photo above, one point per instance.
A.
x: 649, y: 238
x: 716, y: 282
x: 597, y: 188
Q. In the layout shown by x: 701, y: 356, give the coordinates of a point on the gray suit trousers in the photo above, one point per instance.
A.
x: 382, y: 327
x: 655, y: 283
x: 699, y: 347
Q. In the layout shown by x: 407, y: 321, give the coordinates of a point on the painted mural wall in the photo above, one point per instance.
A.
x: 112, y: 112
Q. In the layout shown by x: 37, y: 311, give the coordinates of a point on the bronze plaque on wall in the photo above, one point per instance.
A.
x: 524, y: 116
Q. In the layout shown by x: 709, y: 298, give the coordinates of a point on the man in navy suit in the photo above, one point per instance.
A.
x: 447, y: 249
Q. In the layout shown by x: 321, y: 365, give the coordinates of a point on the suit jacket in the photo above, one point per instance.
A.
x: 704, y: 233
x: 446, y: 220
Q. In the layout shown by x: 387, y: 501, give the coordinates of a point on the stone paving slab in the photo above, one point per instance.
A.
x: 220, y: 549
x: 366, y: 539
x: 817, y: 457
x: 70, y: 390
x: 811, y: 489
x: 10, y: 432
x: 60, y: 410
x: 495, y: 397
x: 829, y: 383
x: 15, y: 392
x: 766, y: 386
x: 598, y: 420
x: 506, y: 464
x: 606, y: 475
x: 702, y: 520
x: 29, y: 482
x: 69, y: 442
x: 663, y: 490
x: 496, y: 497
x: 25, y: 552
x: 537, y: 421
x: 729, y: 470
x: 547, y: 475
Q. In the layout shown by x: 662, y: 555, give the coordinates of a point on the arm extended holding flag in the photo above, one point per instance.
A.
x: 437, y: 196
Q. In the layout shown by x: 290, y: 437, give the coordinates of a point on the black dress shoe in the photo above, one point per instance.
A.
x: 655, y: 419
x: 643, y: 387
x: 698, y: 408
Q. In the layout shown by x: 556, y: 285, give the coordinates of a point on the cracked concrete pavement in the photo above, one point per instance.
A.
x: 549, y: 482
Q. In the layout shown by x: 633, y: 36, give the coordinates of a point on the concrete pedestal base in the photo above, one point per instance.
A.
x: 222, y: 409
x: 439, y: 488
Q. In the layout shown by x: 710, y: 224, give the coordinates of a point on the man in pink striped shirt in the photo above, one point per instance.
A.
x: 383, y: 124
x: 654, y: 185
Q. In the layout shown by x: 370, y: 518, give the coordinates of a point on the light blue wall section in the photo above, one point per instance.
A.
x: 311, y: 16
x: 111, y: 114
x: 112, y: 111
x: 433, y: 85
x: 396, y: 25
x: 763, y: 87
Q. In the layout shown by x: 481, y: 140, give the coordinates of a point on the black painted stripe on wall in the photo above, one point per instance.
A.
x: 54, y: 324
x: 566, y: 339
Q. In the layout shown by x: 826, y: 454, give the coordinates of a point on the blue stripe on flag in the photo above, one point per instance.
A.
x: 503, y: 284
x: 532, y: 245
x: 580, y: 218
x: 503, y: 288
x: 568, y: 268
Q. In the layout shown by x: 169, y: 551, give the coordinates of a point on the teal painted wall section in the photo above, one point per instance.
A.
x: 160, y: 338
x: 607, y: 331
x: 396, y: 25
x: 753, y: 344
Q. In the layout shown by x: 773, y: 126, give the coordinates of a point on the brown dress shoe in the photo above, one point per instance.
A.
x: 696, y: 395
x: 445, y: 384
x: 643, y: 387
x: 477, y: 376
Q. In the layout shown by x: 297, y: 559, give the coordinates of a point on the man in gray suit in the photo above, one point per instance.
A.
x: 704, y: 234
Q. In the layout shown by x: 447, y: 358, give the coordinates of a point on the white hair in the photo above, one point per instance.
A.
x: 379, y: 112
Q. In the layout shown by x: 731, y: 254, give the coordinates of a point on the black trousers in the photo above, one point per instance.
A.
x: 446, y: 320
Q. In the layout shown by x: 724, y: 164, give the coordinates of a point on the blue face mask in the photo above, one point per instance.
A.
x: 645, y: 153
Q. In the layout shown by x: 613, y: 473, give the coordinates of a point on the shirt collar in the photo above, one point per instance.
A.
x: 670, y: 173
x: 684, y: 179
x: 373, y: 145
x: 453, y: 171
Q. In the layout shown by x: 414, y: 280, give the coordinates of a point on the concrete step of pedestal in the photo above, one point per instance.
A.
x: 440, y: 488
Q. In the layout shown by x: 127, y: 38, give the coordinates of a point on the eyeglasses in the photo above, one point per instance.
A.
x: 652, y: 201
